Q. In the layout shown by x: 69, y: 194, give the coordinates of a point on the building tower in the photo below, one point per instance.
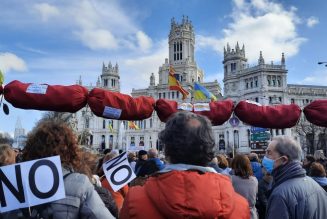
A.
x: 110, y: 77
x: 19, y: 135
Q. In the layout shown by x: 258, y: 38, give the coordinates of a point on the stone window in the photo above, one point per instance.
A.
x: 292, y: 100
x: 104, y: 124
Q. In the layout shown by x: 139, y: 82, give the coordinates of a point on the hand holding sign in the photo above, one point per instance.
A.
x: 118, y: 172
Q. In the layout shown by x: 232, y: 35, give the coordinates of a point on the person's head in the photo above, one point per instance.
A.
x: 131, y: 156
x: 7, y: 155
x: 308, y: 160
x: 242, y: 166
x: 319, y: 155
x: 188, y: 139
x: 153, y: 153
x: 106, y: 151
x: 281, y: 150
x: 142, y: 155
x: 214, y: 160
x: 317, y: 170
x: 253, y: 157
x: 111, y: 155
x: 89, y: 162
x: 51, y: 138
x: 222, y: 161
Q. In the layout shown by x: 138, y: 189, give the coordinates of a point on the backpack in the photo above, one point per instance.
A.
x: 42, y: 211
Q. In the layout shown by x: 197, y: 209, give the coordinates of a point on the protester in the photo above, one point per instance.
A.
x: 318, y: 173
x: 7, y: 157
x: 293, y: 194
x: 121, y: 193
x: 309, y: 159
x: 320, y: 157
x: 262, y: 199
x: 256, y: 166
x: 142, y: 157
x: 223, y: 164
x: 244, y: 182
x: 132, y: 160
x: 214, y: 164
x: 186, y: 187
x: 50, y: 138
x: 151, y: 165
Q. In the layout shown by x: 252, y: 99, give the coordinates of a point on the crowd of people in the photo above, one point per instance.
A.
x: 187, y: 181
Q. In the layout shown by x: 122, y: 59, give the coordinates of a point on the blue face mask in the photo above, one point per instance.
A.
x: 268, y: 164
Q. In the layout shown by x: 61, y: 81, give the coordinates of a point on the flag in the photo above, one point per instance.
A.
x: 1, y: 78
x: 201, y: 93
x: 132, y: 125
x: 174, y: 83
x: 110, y: 128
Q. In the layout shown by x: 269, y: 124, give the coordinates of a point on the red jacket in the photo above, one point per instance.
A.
x: 185, y: 194
x: 118, y: 196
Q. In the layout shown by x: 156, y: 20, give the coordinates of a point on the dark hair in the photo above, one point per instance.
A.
x: 310, y: 158
x: 317, y: 170
x: 51, y: 138
x: 188, y: 139
x: 242, y: 166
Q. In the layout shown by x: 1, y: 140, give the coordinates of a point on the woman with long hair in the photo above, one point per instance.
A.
x: 51, y: 138
x: 244, y: 182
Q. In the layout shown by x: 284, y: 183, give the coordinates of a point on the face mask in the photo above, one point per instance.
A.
x: 268, y: 164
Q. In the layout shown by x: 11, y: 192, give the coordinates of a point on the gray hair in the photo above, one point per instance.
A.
x: 152, y: 153
x: 319, y: 155
x: 286, y: 145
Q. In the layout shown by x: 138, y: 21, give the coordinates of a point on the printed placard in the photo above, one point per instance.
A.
x: 31, y: 183
x: 111, y: 113
x: 118, y: 171
x: 37, y: 89
x: 185, y: 106
x: 198, y: 107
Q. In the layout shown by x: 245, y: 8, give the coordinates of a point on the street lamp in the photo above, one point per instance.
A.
x: 319, y: 63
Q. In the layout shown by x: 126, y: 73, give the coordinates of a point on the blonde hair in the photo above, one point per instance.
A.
x: 319, y: 155
x: 7, y: 155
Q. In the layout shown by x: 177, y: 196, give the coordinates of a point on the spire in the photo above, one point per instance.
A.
x: 109, y: 65
x: 80, y: 80
x: 116, y: 68
x: 228, y: 48
x: 152, y: 80
x: 283, y: 59
x: 243, y: 50
x: 103, y: 66
x: 237, y: 48
x: 18, y: 124
x: 224, y: 51
x: 261, y: 61
x: 98, y: 82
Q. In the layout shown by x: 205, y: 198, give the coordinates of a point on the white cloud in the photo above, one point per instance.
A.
x: 143, y: 67
x: 46, y: 11
x: 9, y: 61
x: 144, y: 41
x: 317, y: 78
x: 98, y: 39
x: 312, y: 21
x: 260, y: 25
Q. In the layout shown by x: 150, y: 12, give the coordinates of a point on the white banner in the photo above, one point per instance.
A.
x: 198, y: 107
x: 31, y: 183
x: 118, y: 171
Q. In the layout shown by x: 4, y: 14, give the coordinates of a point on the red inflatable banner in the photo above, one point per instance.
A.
x: 217, y: 112
x: 46, y: 97
x: 114, y: 105
x: 276, y: 117
x: 1, y: 89
x: 316, y: 112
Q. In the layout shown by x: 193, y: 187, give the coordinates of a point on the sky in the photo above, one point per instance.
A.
x: 56, y: 42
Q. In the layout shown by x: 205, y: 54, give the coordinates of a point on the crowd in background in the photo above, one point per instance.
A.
x: 188, y: 181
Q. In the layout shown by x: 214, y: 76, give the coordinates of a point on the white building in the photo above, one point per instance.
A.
x: 19, y: 135
x: 263, y: 83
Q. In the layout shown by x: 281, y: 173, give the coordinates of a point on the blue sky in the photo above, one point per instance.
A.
x: 55, y: 42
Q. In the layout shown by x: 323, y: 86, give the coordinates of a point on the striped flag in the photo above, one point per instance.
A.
x: 110, y: 128
x: 132, y: 125
x: 174, y: 83
x: 201, y: 93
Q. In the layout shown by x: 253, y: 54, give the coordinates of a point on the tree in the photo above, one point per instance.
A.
x: 5, y: 138
x: 312, y: 137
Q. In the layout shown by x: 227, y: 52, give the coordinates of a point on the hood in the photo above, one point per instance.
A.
x: 181, y: 194
x: 321, y: 180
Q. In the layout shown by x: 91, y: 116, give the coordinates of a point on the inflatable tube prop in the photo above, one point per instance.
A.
x: 217, y: 112
x: 46, y: 97
x: 276, y: 117
x: 165, y: 108
x: 1, y: 89
x: 316, y: 112
x: 220, y: 111
x: 114, y: 105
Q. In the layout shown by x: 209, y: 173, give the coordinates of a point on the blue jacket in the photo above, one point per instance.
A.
x: 257, y: 170
x: 295, y: 195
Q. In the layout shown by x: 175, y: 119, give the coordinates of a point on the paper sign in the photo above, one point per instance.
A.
x: 185, y: 106
x: 31, y: 183
x: 198, y: 107
x: 111, y: 113
x: 37, y: 88
x: 118, y: 171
